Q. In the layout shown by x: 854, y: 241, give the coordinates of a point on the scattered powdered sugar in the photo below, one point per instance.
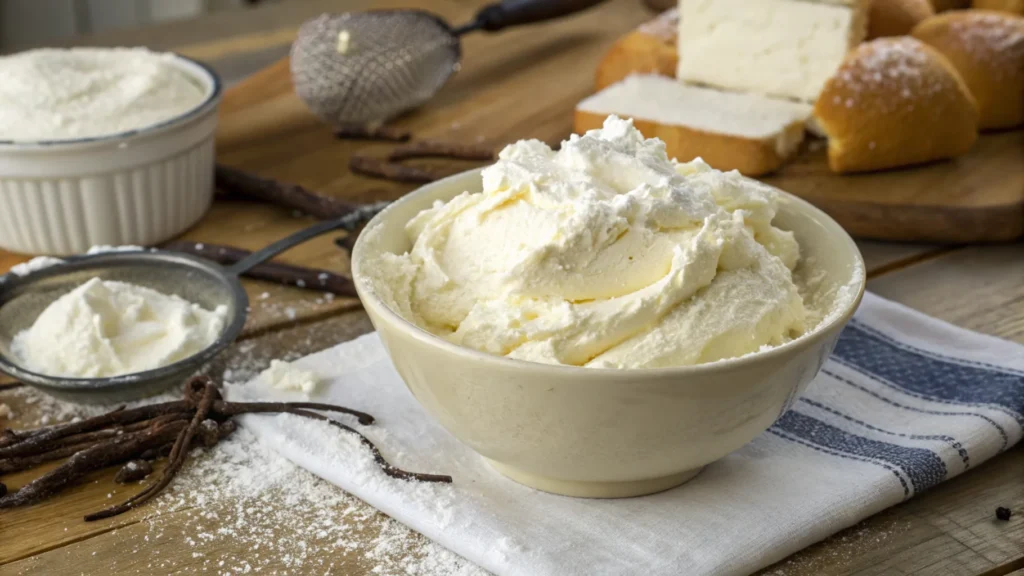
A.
x: 104, y: 249
x: 41, y: 262
x: 995, y: 41
x: 280, y: 519
x: 34, y: 265
x: 241, y: 508
x: 989, y: 35
x: 665, y: 27
x: 875, y: 70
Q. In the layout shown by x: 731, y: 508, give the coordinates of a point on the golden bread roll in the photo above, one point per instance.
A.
x: 650, y: 49
x: 1012, y: 6
x: 987, y: 49
x: 896, y: 17
x: 895, y: 102
x: 943, y: 5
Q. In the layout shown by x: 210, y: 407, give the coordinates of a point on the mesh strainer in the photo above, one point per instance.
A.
x: 23, y: 298
x: 363, y: 68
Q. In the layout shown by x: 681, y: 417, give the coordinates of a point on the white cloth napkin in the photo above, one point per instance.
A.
x: 905, y: 402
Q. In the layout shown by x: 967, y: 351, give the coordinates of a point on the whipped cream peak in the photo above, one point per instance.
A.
x: 603, y: 253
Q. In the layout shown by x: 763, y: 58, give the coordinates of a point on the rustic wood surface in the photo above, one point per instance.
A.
x: 978, y: 197
x: 949, y: 530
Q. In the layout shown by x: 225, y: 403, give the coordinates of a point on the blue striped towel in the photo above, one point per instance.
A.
x: 905, y: 402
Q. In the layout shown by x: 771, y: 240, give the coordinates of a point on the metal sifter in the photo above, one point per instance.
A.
x: 23, y: 298
x: 364, y: 68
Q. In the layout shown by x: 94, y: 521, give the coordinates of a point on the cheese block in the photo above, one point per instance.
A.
x: 730, y: 131
x: 784, y: 48
x: 650, y: 49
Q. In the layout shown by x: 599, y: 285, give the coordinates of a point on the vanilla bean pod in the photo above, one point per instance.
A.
x: 384, y: 465
x: 370, y: 132
x: 133, y: 471
x: 100, y: 456
x: 442, y: 149
x: 235, y: 408
x: 239, y: 183
x: 32, y: 440
x: 178, y: 453
x: 395, y: 171
x: 170, y: 429
x: 8, y: 437
x: 11, y: 386
x: 286, y: 274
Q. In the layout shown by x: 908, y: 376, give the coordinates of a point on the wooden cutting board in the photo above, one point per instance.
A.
x: 978, y: 197
x: 525, y: 84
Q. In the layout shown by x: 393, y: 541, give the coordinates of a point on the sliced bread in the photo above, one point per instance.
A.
x: 746, y: 132
x: 650, y: 49
x: 785, y: 48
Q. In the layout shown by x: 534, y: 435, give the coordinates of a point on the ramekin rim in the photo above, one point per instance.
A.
x: 211, y: 99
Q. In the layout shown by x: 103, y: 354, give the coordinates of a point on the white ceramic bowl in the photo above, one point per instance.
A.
x: 603, y: 433
x: 138, y: 187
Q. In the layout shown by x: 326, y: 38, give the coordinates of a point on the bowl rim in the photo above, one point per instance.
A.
x: 196, y: 69
x: 829, y: 324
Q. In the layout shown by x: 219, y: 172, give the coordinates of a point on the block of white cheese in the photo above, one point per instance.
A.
x: 729, y: 130
x: 784, y: 48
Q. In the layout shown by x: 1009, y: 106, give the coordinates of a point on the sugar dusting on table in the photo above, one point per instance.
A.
x: 241, y: 508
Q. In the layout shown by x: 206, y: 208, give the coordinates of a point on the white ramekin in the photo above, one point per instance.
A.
x: 139, y: 187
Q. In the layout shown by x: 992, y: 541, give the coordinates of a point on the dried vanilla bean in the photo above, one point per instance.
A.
x: 133, y: 471
x: 370, y: 132
x: 442, y: 149
x: 285, y: 274
x: 242, y: 184
x: 378, y: 168
x: 169, y: 429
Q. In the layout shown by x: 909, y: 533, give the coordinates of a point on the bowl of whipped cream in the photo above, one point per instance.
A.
x: 103, y: 146
x: 600, y: 320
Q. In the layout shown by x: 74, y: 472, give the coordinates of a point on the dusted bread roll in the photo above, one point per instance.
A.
x: 1012, y: 6
x: 987, y: 49
x: 895, y: 102
x: 896, y: 17
x: 650, y: 49
x: 943, y: 5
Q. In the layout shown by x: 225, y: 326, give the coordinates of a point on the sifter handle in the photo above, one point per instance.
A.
x: 348, y: 222
x: 510, y: 13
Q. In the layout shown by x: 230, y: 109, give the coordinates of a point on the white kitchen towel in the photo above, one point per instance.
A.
x: 905, y: 402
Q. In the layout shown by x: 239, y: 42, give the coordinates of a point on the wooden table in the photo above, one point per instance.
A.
x: 949, y: 530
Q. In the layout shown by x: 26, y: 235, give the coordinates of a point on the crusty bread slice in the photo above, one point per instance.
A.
x: 784, y: 48
x: 746, y: 132
x: 895, y: 102
x: 987, y: 49
x: 650, y: 49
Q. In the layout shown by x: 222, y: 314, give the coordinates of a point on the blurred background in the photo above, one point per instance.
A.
x: 28, y: 23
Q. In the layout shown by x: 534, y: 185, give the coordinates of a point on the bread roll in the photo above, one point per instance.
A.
x: 650, y: 49
x: 896, y: 17
x: 1012, y: 6
x: 943, y: 5
x: 895, y: 102
x: 987, y: 49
